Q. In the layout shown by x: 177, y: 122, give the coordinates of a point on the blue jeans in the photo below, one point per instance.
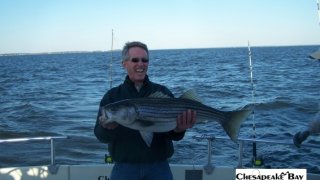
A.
x: 141, y: 171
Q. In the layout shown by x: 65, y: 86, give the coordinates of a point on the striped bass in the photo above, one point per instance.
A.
x: 158, y: 113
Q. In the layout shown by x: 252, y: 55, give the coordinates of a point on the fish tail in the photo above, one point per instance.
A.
x: 299, y: 137
x: 314, y: 126
x: 232, y: 125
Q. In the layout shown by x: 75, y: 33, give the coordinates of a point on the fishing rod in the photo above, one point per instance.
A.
x: 255, y: 160
x: 318, y: 5
x: 111, y: 60
x: 107, y: 157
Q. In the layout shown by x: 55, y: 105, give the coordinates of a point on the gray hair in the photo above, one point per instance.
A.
x: 128, y: 45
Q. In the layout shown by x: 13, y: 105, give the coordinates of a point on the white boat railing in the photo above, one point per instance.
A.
x: 210, y: 138
x: 53, y: 168
x: 209, y: 168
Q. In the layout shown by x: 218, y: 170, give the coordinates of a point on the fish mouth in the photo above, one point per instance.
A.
x: 105, y: 116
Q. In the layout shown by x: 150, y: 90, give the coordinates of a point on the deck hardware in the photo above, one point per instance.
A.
x: 208, y: 168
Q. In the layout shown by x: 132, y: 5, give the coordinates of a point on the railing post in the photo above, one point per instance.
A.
x: 209, y: 150
x: 240, y: 154
x: 208, y: 167
x: 53, y: 167
x: 52, y: 150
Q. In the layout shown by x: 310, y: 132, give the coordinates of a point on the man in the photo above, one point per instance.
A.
x: 135, y: 160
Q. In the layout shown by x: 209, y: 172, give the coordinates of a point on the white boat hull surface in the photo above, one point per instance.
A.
x: 102, y: 172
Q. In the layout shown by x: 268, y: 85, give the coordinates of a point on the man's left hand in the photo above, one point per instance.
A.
x: 185, y: 120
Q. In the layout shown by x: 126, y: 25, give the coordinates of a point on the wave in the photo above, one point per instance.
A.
x: 271, y: 104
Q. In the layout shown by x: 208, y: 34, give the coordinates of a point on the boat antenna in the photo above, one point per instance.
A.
x: 111, y: 60
x: 256, y: 161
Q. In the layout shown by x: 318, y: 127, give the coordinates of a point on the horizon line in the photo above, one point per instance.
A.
x: 94, y: 51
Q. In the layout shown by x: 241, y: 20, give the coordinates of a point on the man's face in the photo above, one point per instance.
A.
x: 137, y: 64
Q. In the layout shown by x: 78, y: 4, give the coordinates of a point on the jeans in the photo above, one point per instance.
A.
x: 141, y: 171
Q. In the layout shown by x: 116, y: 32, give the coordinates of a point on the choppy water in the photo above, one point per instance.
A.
x: 58, y: 94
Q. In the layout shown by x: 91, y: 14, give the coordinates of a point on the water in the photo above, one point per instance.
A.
x: 58, y: 94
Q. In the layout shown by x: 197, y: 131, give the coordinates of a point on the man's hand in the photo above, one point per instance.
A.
x: 185, y: 120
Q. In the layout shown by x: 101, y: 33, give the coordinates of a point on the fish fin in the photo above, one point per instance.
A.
x: 232, y: 125
x: 158, y: 94
x: 147, y: 137
x: 192, y: 95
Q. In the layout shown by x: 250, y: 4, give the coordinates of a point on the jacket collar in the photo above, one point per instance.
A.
x: 128, y: 81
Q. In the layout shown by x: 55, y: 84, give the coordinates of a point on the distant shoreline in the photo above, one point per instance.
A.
x: 117, y: 50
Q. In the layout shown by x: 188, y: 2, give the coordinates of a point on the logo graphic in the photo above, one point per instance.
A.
x: 271, y: 174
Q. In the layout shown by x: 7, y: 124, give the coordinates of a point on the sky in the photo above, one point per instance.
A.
x: 39, y: 26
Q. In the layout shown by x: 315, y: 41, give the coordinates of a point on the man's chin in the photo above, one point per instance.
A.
x: 140, y: 77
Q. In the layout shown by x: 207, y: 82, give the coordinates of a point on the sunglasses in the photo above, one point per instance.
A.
x: 136, y: 60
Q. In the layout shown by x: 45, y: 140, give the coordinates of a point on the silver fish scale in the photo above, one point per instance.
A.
x: 167, y: 109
